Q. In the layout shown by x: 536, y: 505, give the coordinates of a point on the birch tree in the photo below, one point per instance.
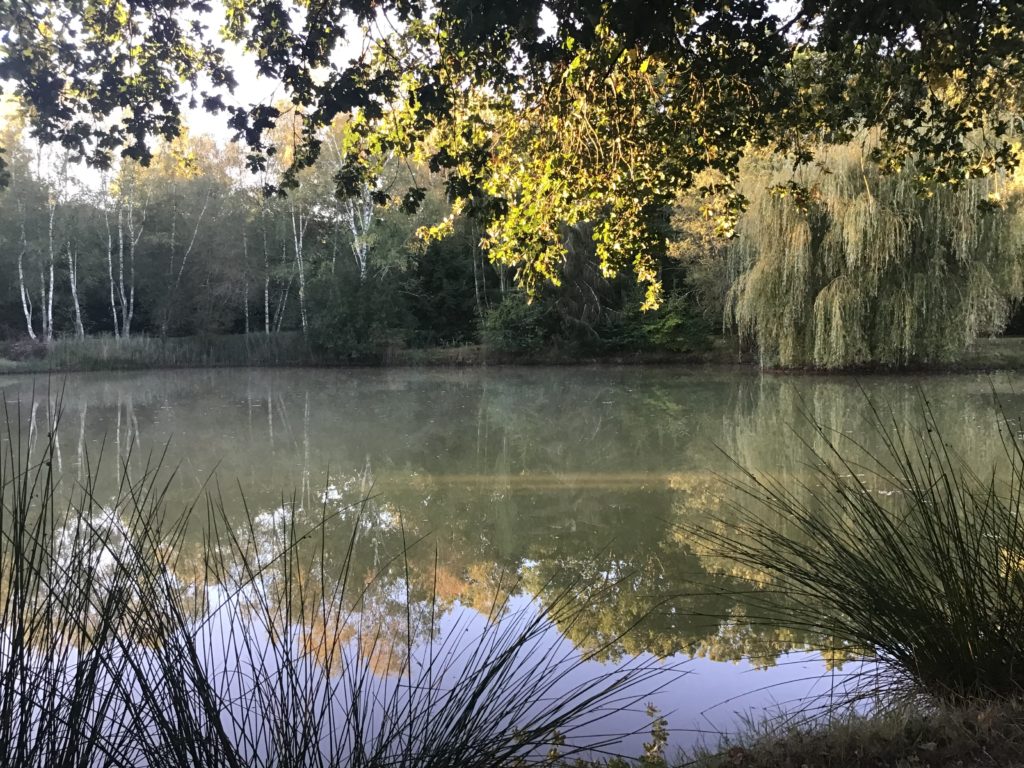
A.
x: 52, y: 167
x: 126, y: 202
x: 355, y: 212
x: 299, y: 221
x: 300, y: 208
x: 129, y: 232
x: 106, y: 201
x: 72, y: 257
x: 180, y: 185
x: 23, y: 291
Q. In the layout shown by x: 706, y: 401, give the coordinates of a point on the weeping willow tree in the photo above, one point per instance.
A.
x: 840, y: 265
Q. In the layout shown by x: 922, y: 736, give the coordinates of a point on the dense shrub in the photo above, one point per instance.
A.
x: 516, y: 325
x: 676, y: 326
x: 441, y: 292
x: 353, y: 318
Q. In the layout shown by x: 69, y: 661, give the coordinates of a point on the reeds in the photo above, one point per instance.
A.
x: 122, y: 645
x: 109, y: 353
x: 910, y: 555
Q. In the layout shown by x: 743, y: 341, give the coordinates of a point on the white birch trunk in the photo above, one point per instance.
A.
x: 73, y: 282
x: 23, y: 291
x: 245, y: 283
x: 110, y: 272
x: 266, y: 304
x: 133, y: 241
x: 126, y: 326
x: 266, y: 273
x: 47, y: 284
x: 358, y: 216
x: 26, y: 297
x: 299, y: 222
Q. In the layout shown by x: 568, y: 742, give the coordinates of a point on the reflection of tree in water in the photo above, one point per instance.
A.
x: 540, y: 481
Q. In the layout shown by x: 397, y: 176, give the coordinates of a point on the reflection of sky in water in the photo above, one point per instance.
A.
x: 563, y: 477
x: 702, y: 700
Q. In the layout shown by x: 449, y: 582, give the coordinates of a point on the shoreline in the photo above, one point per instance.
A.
x: 969, y: 734
x: 95, y: 354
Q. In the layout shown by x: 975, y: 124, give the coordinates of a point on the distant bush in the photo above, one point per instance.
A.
x: 353, y: 318
x: 676, y: 326
x: 515, y: 325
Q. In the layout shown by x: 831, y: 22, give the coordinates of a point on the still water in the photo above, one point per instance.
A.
x: 519, y: 484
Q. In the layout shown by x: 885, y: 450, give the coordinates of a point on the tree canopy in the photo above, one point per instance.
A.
x: 537, y: 113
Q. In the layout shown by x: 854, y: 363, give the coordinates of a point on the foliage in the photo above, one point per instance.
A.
x: 604, y: 120
x: 695, y: 246
x: 447, y: 291
x: 847, y: 266
x: 675, y: 326
x: 358, y: 318
x: 516, y: 325
x: 907, y: 554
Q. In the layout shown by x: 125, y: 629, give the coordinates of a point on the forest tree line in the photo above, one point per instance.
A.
x: 833, y: 265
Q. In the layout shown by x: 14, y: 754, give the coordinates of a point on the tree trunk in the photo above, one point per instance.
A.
x: 299, y: 222
x: 133, y: 242
x: 110, y: 272
x: 26, y: 298
x: 282, y: 304
x: 245, y: 286
x: 266, y: 271
x: 73, y: 281
x: 47, y: 285
x: 358, y: 215
x: 126, y: 326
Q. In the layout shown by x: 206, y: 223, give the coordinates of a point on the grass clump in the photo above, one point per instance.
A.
x: 909, y: 556
x: 123, y: 645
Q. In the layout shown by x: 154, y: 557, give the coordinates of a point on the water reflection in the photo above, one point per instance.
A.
x: 525, y: 482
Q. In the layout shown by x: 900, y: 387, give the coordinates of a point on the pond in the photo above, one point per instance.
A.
x: 516, y: 485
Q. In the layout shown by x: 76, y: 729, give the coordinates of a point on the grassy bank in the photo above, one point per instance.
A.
x: 979, y: 735
x: 102, y: 353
